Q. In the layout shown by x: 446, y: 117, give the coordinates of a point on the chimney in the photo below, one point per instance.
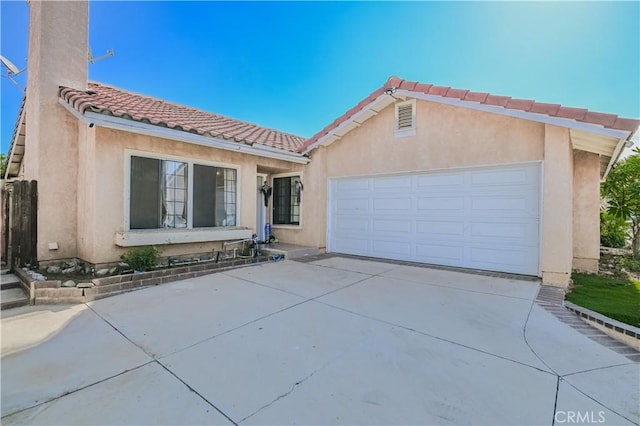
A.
x: 58, y: 53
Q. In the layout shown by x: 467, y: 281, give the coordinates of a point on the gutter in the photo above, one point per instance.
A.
x: 93, y: 119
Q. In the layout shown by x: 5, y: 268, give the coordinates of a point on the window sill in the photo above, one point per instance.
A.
x: 286, y: 226
x: 182, y: 236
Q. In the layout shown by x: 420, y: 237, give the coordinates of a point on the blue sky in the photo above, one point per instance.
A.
x: 296, y: 66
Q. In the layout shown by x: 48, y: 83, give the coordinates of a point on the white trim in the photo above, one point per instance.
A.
x: 541, y: 215
x: 131, y: 126
x: 160, y: 237
x: 281, y: 175
x: 541, y: 118
x: 614, y: 157
x: 365, y: 110
x: 128, y: 153
x: 73, y: 111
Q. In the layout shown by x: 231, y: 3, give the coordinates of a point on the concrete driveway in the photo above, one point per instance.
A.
x: 335, y: 341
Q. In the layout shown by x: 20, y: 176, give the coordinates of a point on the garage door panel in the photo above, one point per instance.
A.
x: 352, y: 245
x: 392, y: 204
x: 439, y: 181
x: 439, y: 204
x: 511, y: 260
x: 500, y: 177
x: 355, y: 185
x: 392, y: 248
x: 348, y: 205
x: 435, y: 228
x: 401, y: 182
x: 395, y: 226
x: 523, y: 232
x: 476, y: 218
x: 439, y: 254
x: 352, y: 224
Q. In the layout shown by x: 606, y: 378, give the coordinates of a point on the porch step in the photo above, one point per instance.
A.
x: 13, y: 295
x: 290, y: 251
x: 9, y: 281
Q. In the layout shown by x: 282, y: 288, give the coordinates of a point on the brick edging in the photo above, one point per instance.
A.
x: 603, y: 320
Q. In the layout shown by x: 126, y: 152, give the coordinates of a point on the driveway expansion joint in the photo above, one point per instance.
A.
x: 195, y: 391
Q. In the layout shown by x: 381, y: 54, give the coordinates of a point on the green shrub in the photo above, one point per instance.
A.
x: 613, y: 230
x: 630, y: 263
x: 141, y: 258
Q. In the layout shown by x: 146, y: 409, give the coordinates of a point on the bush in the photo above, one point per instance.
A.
x: 141, y: 258
x: 630, y: 263
x: 613, y: 230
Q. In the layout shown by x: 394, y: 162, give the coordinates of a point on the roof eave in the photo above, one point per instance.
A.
x: 13, y: 163
x: 118, y: 123
x: 367, y: 111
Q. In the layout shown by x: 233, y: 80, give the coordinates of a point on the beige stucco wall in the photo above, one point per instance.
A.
x: 557, y: 215
x: 446, y: 136
x: 106, y: 186
x: 586, y: 211
x: 57, y: 56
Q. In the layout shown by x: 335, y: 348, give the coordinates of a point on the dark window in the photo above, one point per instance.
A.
x: 286, y: 201
x: 145, y: 196
x: 214, y: 196
x: 159, y: 192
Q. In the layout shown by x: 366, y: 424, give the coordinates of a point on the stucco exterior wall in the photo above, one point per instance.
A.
x: 586, y: 211
x: 57, y: 56
x: 446, y: 136
x: 109, y: 184
x: 557, y: 216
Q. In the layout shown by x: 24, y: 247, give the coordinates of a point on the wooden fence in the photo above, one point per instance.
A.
x: 23, y: 224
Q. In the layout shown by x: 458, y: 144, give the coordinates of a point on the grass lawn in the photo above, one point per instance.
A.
x: 615, y: 298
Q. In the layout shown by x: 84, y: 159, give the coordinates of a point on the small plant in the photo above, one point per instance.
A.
x: 630, y: 263
x: 613, y: 230
x: 141, y: 258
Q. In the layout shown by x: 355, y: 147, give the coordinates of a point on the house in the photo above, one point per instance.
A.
x: 413, y: 172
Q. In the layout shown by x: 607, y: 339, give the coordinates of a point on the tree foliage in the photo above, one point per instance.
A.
x: 3, y: 165
x: 621, y: 191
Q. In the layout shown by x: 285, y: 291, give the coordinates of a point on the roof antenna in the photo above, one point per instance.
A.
x: 93, y: 60
x: 12, y: 71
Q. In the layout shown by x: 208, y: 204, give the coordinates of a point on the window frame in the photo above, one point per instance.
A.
x: 190, y: 172
x: 273, y: 200
x: 411, y: 131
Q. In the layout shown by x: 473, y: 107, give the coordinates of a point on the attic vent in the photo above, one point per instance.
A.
x: 405, y: 124
x: 405, y: 116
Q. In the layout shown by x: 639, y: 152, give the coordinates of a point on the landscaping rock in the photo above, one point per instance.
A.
x: 54, y: 269
x: 102, y: 272
x: 69, y: 283
x: 85, y: 285
x: 113, y: 270
x: 69, y: 270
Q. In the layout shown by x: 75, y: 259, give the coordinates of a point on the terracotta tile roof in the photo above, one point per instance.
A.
x: 108, y: 100
x: 611, y: 121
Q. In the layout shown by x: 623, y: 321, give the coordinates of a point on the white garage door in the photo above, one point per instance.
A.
x: 481, y: 218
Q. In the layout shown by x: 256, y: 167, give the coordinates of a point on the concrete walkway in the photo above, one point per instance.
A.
x: 334, y: 341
